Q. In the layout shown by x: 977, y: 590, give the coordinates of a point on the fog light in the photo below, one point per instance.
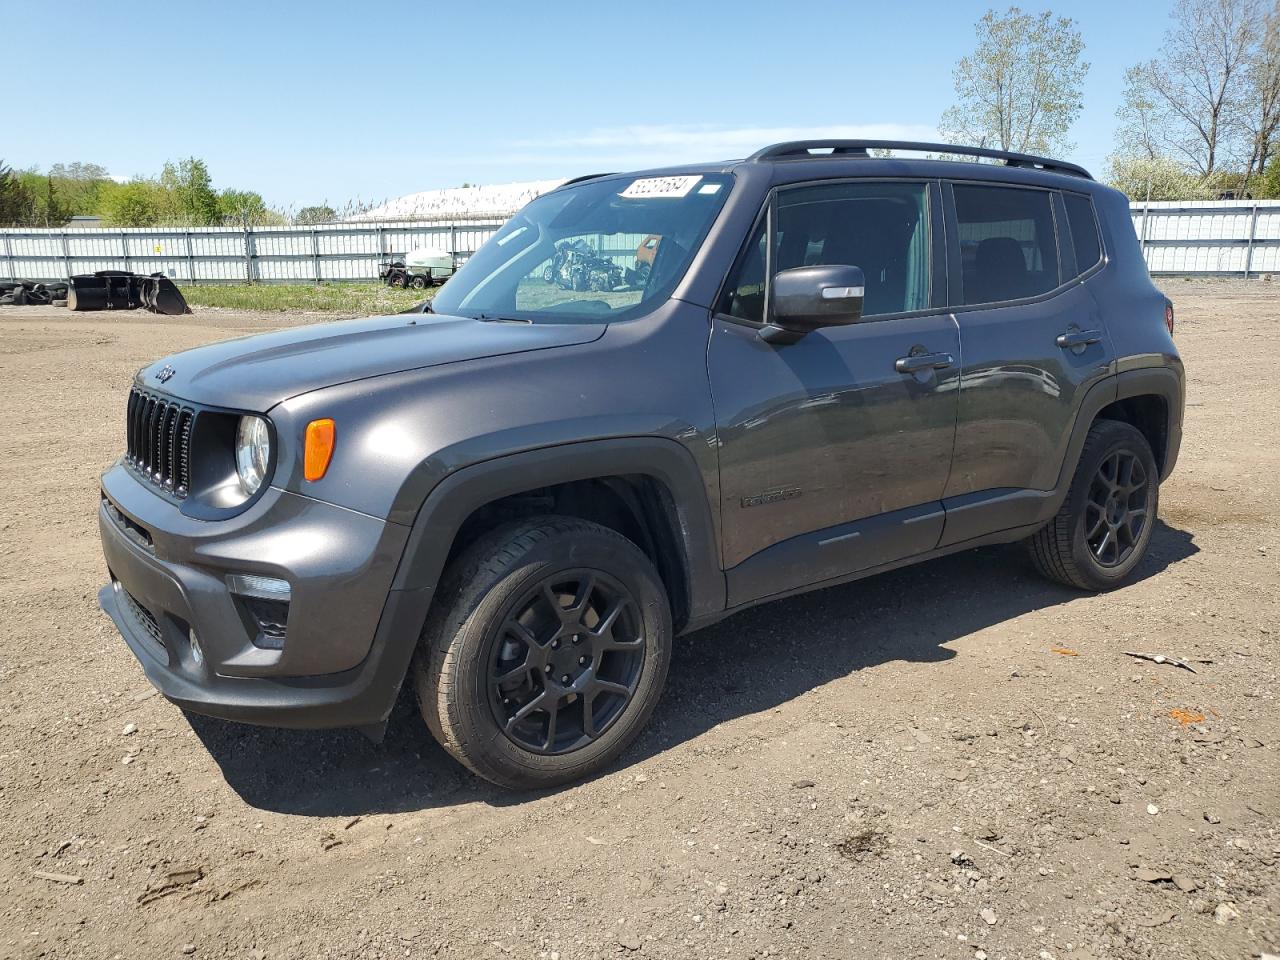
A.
x: 197, y: 655
x: 265, y: 601
x: 264, y: 588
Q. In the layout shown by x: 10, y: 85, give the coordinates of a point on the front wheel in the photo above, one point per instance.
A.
x: 545, y: 653
x: 1103, y: 529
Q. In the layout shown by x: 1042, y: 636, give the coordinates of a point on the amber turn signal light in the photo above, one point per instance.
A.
x: 319, y: 449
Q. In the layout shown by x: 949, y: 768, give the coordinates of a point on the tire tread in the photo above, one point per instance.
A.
x: 463, y: 588
x: 1051, y: 547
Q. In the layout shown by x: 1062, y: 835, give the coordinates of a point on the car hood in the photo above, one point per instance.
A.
x: 256, y: 373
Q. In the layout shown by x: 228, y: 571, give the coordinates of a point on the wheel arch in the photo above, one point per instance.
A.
x: 1150, y: 398
x: 648, y: 488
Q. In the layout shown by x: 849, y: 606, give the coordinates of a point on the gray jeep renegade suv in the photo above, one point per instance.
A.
x: 649, y: 401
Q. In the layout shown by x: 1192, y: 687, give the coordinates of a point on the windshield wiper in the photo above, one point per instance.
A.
x: 423, y: 307
x: 485, y: 318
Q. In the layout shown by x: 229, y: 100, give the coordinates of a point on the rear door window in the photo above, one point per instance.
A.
x: 1084, y: 231
x: 1008, y: 247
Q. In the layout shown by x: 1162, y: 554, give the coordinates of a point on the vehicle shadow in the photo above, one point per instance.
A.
x: 748, y: 663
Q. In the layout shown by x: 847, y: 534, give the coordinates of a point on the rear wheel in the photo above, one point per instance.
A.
x: 1103, y: 529
x: 418, y: 282
x: 545, y: 653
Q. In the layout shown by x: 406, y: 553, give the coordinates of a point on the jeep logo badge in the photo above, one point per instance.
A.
x: 166, y: 373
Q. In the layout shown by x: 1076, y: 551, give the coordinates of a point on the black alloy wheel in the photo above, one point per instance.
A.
x: 566, y: 661
x: 1104, y: 525
x: 1116, y: 510
x: 545, y: 651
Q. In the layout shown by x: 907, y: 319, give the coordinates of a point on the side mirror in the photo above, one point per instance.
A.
x: 806, y: 298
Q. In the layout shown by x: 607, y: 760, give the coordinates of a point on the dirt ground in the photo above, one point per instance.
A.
x: 954, y: 760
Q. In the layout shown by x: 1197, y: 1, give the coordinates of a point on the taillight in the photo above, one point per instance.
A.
x: 1168, y: 316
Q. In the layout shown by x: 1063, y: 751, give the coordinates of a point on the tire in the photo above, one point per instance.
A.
x: 418, y: 282
x: 493, y: 616
x: 1105, y: 497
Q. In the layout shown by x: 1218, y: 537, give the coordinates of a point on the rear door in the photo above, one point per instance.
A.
x: 1032, y: 341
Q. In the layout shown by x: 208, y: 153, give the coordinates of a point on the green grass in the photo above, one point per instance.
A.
x: 354, y: 299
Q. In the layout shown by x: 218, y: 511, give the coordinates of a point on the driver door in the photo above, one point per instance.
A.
x: 833, y: 453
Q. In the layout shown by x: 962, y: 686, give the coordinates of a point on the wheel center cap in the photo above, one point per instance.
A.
x: 1115, y: 510
x: 567, y: 660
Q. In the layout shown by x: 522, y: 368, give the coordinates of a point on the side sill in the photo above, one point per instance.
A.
x: 1002, y: 536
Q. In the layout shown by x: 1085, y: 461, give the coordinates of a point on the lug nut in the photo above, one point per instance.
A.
x: 555, y: 644
x: 565, y: 678
x: 577, y: 639
x: 583, y: 661
x: 547, y: 668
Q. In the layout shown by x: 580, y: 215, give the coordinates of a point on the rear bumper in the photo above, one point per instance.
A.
x: 349, y: 637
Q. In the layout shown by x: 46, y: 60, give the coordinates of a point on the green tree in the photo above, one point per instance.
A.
x: 192, y: 189
x: 17, y: 206
x: 51, y: 208
x: 1267, y: 187
x: 1020, y: 89
x: 1261, y: 113
x: 1157, y: 178
x: 138, y: 203
x: 65, y: 191
x: 242, y: 206
x: 1192, y: 101
x: 318, y: 214
x: 78, y: 186
x: 46, y: 210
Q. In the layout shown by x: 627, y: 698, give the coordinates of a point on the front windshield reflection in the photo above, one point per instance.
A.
x: 598, y: 251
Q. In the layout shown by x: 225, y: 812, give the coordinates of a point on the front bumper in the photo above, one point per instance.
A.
x: 349, y: 637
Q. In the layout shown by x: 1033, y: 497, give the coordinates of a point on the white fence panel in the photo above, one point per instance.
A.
x: 1227, y: 237
x: 1223, y: 237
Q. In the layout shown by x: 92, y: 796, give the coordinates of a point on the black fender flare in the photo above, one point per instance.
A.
x: 459, y: 494
x: 1164, y: 382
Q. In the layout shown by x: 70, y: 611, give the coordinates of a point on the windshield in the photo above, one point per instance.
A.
x: 593, y: 252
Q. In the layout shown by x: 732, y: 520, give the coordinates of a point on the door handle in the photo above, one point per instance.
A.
x: 1078, y: 338
x: 923, y: 361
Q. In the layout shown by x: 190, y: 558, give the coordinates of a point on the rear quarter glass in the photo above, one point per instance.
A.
x: 1084, y: 230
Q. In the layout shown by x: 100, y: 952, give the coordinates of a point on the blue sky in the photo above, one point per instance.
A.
x: 334, y: 101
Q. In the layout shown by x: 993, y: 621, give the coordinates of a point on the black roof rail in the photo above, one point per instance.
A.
x: 585, y: 176
x: 802, y: 149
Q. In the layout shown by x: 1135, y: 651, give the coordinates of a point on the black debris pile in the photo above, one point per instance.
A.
x: 21, y: 293
x: 121, y: 290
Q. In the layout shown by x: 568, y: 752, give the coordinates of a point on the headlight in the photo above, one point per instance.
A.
x: 253, y: 453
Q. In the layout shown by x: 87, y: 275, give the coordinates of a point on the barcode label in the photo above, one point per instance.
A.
x: 650, y: 187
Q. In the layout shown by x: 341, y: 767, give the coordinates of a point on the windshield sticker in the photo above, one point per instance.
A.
x: 710, y: 188
x: 648, y: 188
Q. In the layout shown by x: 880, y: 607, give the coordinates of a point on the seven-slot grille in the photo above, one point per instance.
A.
x: 159, y: 434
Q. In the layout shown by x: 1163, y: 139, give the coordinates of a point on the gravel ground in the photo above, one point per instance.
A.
x: 954, y: 760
